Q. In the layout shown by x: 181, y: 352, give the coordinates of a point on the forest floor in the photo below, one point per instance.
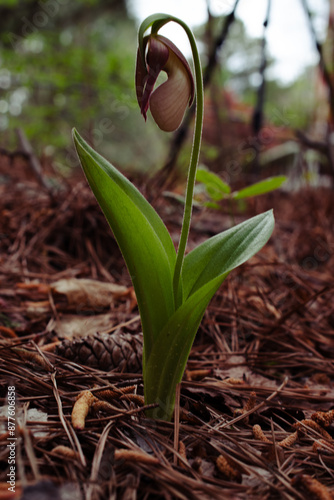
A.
x: 256, y: 405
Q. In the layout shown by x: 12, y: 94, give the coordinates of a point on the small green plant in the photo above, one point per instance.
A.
x: 218, y: 190
x: 173, y: 290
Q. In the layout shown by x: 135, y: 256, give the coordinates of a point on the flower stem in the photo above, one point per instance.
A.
x: 193, y: 163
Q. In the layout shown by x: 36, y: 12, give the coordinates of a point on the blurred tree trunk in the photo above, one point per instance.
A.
x: 329, y: 56
x: 324, y: 116
x: 325, y: 64
x: 329, y: 49
x: 258, y: 113
x: 165, y: 176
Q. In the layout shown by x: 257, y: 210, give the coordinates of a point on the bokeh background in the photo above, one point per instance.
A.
x: 71, y: 64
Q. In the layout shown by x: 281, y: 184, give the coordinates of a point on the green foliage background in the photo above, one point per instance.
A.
x: 65, y: 64
x: 76, y: 69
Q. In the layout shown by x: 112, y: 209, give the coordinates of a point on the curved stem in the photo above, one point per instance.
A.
x: 157, y: 21
x: 193, y: 162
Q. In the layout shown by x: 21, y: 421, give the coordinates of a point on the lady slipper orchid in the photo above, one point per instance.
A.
x: 173, y: 289
x: 169, y: 101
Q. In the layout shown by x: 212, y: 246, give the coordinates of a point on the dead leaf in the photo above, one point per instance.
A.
x: 88, y: 293
x: 75, y: 325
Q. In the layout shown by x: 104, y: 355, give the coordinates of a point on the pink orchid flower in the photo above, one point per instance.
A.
x: 169, y: 101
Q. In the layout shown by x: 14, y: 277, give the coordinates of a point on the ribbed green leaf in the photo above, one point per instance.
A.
x: 205, y: 269
x: 261, y: 187
x: 166, y: 362
x: 225, y: 251
x: 141, y: 235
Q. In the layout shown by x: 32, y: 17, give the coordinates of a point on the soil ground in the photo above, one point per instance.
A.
x: 255, y: 410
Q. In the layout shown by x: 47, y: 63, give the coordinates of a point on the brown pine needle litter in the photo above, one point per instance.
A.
x: 312, y: 488
x: 268, y: 332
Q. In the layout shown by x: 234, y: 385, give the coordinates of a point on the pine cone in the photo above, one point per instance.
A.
x: 106, y: 351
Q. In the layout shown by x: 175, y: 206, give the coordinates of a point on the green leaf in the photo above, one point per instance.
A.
x: 165, y: 365
x: 204, y: 270
x: 141, y: 235
x: 212, y: 181
x: 214, y: 193
x: 261, y: 187
x: 210, y: 204
x: 225, y: 251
